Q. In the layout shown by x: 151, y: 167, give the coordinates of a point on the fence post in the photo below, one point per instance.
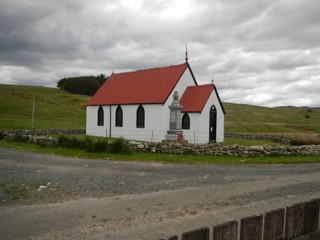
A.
x: 311, y: 216
x: 251, y: 228
x: 226, y: 231
x: 194, y: 137
x: 294, y: 221
x: 274, y: 225
x: 199, y: 234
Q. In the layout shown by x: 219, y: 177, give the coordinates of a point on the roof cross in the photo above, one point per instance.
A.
x: 186, y: 53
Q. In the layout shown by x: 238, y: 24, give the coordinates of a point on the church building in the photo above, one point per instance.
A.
x: 137, y: 105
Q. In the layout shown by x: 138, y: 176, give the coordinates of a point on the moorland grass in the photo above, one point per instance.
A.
x: 54, y: 108
x: 242, y: 118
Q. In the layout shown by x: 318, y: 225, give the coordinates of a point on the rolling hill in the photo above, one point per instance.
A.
x: 55, y: 108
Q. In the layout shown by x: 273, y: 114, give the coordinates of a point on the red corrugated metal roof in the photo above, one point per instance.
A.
x: 139, y: 87
x: 195, y: 97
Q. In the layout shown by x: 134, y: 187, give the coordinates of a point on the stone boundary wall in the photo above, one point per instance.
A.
x: 42, y: 132
x: 220, y: 150
x: 181, y: 147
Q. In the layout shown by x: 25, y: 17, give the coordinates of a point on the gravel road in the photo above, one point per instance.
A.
x: 71, y: 198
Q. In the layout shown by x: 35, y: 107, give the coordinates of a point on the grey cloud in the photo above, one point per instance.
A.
x: 284, y: 25
x: 254, y: 50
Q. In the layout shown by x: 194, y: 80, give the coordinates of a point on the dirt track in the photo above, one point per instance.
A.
x: 95, y: 199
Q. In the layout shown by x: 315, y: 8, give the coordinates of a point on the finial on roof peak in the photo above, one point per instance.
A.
x: 186, y: 53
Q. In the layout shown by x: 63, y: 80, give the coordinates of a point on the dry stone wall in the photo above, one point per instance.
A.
x: 181, y: 147
x: 42, y: 132
x: 220, y: 150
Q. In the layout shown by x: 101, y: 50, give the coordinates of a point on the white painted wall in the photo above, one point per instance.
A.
x: 192, y: 134
x: 185, y: 81
x: 205, y: 118
x: 199, y: 123
x: 153, y: 130
x: 92, y: 127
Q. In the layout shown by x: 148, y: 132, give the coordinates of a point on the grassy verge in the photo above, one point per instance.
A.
x: 21, y: 191
x: 166, y: 158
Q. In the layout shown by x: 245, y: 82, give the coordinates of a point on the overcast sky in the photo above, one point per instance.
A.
x: 259, y: 52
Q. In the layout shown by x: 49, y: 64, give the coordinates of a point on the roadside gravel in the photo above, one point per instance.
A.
x: 107, y: 199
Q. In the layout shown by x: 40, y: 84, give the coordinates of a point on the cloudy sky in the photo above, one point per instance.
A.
x: 258, y: 52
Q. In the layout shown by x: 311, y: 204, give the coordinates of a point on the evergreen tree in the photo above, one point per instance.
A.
x: 87, y: 85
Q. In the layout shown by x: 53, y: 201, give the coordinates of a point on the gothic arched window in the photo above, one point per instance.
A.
x: 140, y: 117
x: 185, y: 121
x: 100, y: 116
x: 119, y: 117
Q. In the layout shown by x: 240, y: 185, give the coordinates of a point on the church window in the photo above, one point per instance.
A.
x: 185, y: 121
x: 119, y: 117
x: 140, y: 117
x: 100, y: 116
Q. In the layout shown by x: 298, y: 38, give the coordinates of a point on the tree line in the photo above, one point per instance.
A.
x: 86, y: 85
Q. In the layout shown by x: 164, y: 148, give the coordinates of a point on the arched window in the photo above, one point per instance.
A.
x: 140, y: 117
x: 185, y: 121
x: 119, y: 117
x: 100, y: 116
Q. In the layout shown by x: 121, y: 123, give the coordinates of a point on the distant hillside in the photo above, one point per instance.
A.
x: 56, y: 108
x: 255, y: 119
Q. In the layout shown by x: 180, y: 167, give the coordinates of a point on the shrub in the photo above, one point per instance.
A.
x: 88, y: 144
x: 70, y: 142
x: 2, y: 136
x: 95, y: 146
x: 42, y: 144
x: 75, y: 143
x: 62, y: 141
x: 99, y: 146
x: 18, y: 137
x: 121, y: 146
x: 307, y: 116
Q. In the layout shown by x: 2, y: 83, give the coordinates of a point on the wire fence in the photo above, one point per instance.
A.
x: 154, y: 135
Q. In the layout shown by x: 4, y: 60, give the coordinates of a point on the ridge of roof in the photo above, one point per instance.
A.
x: 145, y: 86
x: 201, y: 86
x: 151, y: 69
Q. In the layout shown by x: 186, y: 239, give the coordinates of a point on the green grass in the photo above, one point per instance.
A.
x: 20, y: 191
x: 242, y: 118
x: 54, y: 108
x: 249, y: 142
x: 165, y: 158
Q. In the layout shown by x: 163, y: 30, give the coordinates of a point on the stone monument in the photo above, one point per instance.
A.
x: 175, y: 132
